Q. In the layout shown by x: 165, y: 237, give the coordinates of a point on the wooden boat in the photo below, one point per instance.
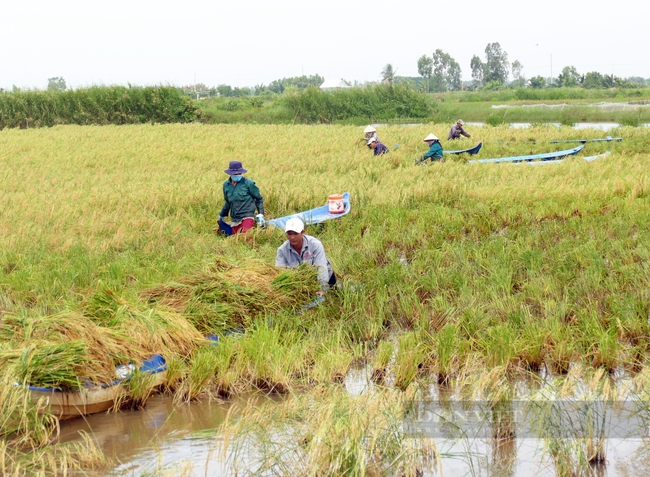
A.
x: 605, y: 139
x: 471, y: 151
x: 314, y: 216
x: 548, y: 156
x: 556, y: 161
x: 98, y: 398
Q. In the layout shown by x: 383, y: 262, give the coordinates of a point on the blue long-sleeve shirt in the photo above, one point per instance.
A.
x: 312, y: 252
x: 380, y: 149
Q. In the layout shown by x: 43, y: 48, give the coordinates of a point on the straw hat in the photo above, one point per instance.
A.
x: 370, y: 141
x: 431, y: 137
x: 369, y: 129
x: 460, y: 121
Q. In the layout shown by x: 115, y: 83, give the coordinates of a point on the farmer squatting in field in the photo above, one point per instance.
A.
x: 378, y: 147
x: 300, y: 248
x: 457, y: 130
x: 241, y: 197
x: 435, y: 149
x: 370, y: 132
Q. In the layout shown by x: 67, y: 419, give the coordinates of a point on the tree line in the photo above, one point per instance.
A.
x: 442, y: 73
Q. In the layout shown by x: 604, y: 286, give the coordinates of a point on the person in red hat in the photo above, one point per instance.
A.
x: 241, y: 197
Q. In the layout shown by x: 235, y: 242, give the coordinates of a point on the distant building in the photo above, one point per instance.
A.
x: 329, y: 85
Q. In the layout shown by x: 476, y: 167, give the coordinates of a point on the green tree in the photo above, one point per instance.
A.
x: 388, y: 74
x: 478, y: 71
x: 496, y: 64
x: 593, y: 80
x: 569, y: 77
x: 224, y: 90
x: 517, y: 68
x: 446, y: 71
x: 537, y: 82
x: 56, y: 83
x: 276, y: 86
x: 425, y: 68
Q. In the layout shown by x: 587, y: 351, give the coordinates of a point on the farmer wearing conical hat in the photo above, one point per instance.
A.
x: 370, y: 133
x: 241, y: 197
x: 457, y: 130
x: 435, y: 149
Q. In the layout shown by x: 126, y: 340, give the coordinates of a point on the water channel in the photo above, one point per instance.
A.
x: 171, y: 439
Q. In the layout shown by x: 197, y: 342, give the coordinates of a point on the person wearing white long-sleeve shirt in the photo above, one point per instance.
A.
x: 300, y: 248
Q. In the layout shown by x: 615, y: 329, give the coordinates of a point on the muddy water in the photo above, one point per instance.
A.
x: 165, y: 439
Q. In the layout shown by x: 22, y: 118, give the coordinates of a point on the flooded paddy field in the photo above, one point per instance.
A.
x: 488, y: 320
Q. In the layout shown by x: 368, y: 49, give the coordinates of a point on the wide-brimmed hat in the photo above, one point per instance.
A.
x: 460, y: 121
x: 235, y: 168
x: 294, y: 225
x: 431, y: 137
x: 369, y: 129
x: 371, y: 140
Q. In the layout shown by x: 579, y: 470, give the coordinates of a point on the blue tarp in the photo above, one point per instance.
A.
x: 314, y: 216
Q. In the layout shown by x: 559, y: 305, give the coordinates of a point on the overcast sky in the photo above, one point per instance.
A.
x: 248, y: 42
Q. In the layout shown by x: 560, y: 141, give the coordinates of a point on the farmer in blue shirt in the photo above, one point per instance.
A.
x: 241, y: 197
x: 299, y: 248
x: 435, y: 150
x: 378, y: 147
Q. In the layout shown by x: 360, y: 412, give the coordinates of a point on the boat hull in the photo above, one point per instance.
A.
x: 314, y: 216
x: 68, y: 405
x: 471, y: 151
x: 534, y: 157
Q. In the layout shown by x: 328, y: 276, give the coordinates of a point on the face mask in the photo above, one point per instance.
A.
x: 236, y: 178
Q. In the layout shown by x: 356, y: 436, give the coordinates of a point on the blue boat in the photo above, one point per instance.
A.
x: 605, y: 139
x: 547, y: 156
x: 471, y: 151
x: 314, y: 216
x: 555, y: 161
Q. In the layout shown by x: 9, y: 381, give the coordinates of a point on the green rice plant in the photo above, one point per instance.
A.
x: 572, y: 420
x: 496, y: 120
x: 499, y: 346
x: 226, y: 376
x: 632, y: 120
x: 602, y: 343
x: 200, y: 374
x: 383, y: 356
x: 331, y: 366
x: 45, y: 364
x: 409, y: 360
x: 269, y: 356
x: 327, y: 434
x: 140, y: 387
x: 24, y: 422
x: 531, y: 346
x: 58, y: 459
x: 446, y: 352
x: 176, y: 372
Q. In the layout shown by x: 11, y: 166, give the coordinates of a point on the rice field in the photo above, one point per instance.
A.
x: 467, y: 275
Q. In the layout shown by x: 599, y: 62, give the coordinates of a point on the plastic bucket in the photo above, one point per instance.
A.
x: 336, y: 205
